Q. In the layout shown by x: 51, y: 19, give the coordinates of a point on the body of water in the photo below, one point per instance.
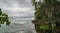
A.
x: 19, y: 26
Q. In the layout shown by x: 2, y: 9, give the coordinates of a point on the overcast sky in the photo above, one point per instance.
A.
x: 17, y: 8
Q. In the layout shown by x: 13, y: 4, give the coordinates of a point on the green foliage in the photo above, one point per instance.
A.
x: 44, y: 27
x: 3, y: 18
x: 49, y: 11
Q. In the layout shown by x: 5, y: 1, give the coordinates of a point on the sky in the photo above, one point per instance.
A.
x: 17, y: 8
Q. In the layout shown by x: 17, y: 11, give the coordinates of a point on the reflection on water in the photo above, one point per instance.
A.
x: 24, y: 26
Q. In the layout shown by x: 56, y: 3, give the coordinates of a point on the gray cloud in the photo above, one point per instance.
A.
x: 21, y: 3
x: 17, y: 8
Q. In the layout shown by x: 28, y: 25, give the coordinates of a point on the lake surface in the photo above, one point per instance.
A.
x: 16, y: 26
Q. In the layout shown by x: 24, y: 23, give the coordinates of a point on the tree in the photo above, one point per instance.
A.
x: 3, y: 18
x: 49, y: 11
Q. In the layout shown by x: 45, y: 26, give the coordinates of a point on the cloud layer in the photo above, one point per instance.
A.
x: 17, y: 8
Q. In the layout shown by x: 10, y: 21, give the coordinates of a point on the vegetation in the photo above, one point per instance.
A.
x: 47, y: 15
x: 3, y: 18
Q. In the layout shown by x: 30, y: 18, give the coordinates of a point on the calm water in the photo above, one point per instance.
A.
x: 18, y: 26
